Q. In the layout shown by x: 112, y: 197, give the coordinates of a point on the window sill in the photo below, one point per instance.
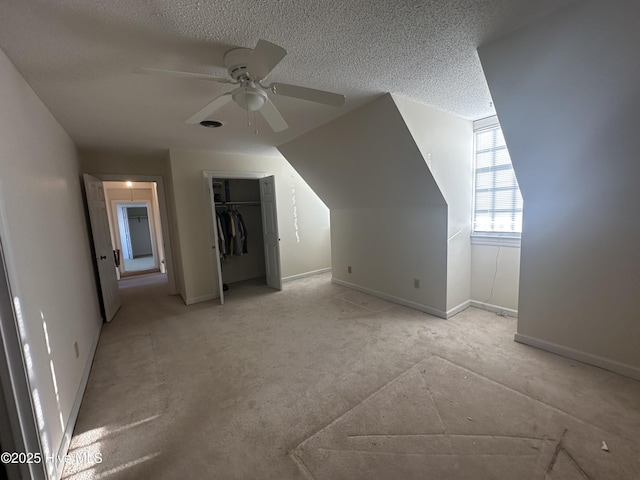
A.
x: 496, y: 240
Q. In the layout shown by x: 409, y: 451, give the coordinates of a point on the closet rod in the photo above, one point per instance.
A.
x: 224, y: 204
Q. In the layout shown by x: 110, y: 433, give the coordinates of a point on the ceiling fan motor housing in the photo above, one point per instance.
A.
x: 236, y: 62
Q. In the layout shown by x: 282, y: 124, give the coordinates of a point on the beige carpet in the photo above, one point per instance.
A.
x: 322, y: 382
x: 141, y: 263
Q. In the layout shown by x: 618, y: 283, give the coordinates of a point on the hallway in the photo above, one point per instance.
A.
x: 322, y: 382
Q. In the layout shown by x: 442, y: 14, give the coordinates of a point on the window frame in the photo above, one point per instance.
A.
x: 508, y: 239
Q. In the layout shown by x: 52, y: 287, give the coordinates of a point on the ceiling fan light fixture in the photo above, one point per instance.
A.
x: 250, y: 98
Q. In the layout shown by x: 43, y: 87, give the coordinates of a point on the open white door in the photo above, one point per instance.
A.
x: 124, y: 234
x: 270, y: 232
x: 102, y: 243
x: 215, y: 248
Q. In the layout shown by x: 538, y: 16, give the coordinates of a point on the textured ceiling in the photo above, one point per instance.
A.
x: 79, y: 56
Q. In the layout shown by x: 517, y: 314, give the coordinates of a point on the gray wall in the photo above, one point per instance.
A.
x: 139, y: 231
x: 566, y: 92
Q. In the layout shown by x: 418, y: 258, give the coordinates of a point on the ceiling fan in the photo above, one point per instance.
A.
x: 248, y: 68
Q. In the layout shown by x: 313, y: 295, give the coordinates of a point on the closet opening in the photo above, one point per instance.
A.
x: 244, y: 231
x: 136, y: 245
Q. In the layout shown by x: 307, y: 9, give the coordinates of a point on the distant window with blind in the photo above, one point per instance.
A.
x: 497, y: 198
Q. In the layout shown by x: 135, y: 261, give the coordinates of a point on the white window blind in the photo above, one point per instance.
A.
x: 498, y: 202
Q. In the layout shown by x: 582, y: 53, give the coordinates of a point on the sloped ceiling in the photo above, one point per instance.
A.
x: 567, y: 113
x: 79, y: 56
x: 366, y: 158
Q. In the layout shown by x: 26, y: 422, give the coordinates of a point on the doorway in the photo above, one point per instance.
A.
x: 148, y: 191
x: 134, y: 224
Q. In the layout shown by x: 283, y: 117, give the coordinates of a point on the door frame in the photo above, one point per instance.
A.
x: 208, y: 176
x: 164, y: 217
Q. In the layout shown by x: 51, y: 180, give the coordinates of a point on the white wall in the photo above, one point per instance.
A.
x: 388, y: 216
x: 388, y: 247
x: 44, y: 235
x: 495, y: 277
x: 446, y: 144
x: 114, y: 162
x: 307, y: 251
x: 566, y: 91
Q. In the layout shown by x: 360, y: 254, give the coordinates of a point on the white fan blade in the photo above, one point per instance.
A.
x: 310, y: 94
x: 264, y: 57
x: 175, y: 73
x: 209, y: 108
x: 273, y: 117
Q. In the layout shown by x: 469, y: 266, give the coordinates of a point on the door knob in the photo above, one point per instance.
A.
x: 103, y: 257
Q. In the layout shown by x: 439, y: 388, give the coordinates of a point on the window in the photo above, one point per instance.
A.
x: 497, y: 199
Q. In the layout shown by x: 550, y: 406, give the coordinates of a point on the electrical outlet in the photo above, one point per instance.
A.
x: 77, y: 349
x: 349, y: 268
x: 416, y: 283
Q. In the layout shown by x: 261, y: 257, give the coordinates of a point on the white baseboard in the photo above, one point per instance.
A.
x: 458, y: 309
x: 75, y: 409
x: 584, y: 357
x: 203, y: 298
x: 400, y: 301
x: 508, y: 312
x: 306, y: 274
